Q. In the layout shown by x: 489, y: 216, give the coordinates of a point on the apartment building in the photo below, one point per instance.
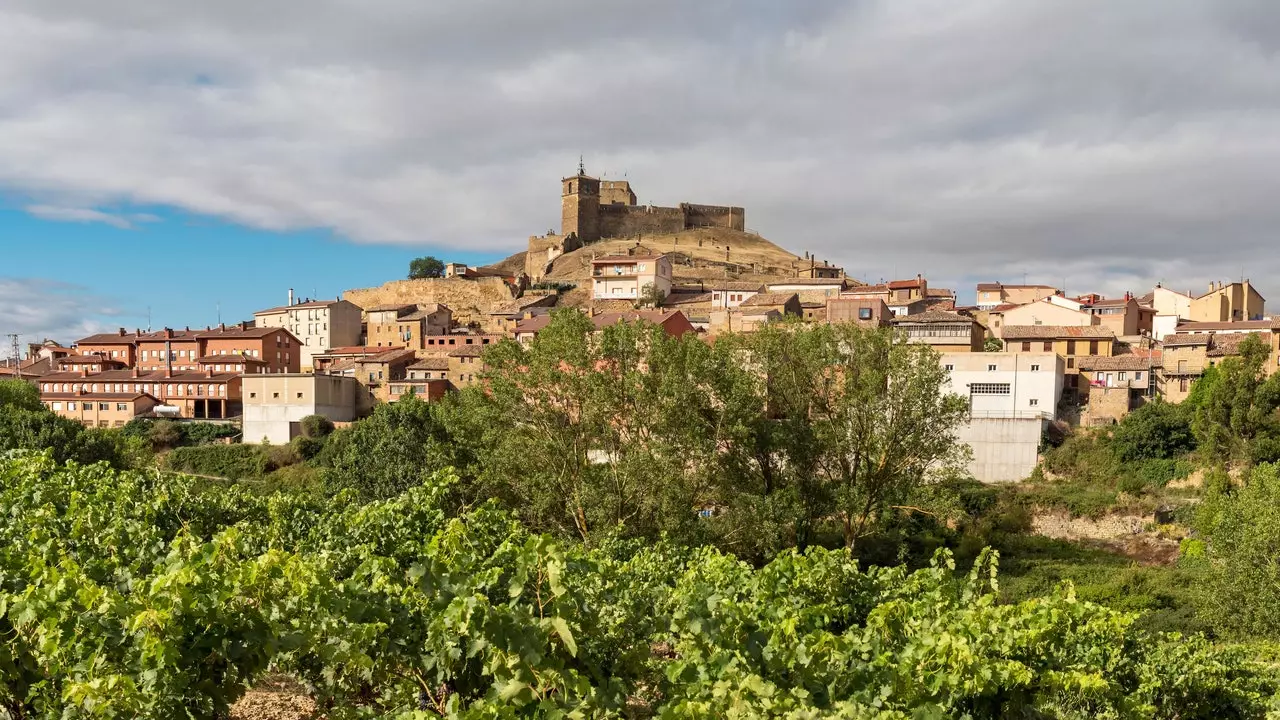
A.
x: 945, y: 331
x: 227, y: 348
x: 101, y: 409
x: 994, y: 294
x: 406, y: 326
x: 317, y: 324
x: 200, y: 395
x: 274, y: 405
x: 627, y: 277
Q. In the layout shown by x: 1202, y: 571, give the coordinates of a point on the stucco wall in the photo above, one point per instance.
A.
x: 1004, y: 450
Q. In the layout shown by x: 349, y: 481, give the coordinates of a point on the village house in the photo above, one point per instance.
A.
x: 1125, y: 316
x: 630, y: 277
x: 406, y: 326
x: 990, y: 295
x: 824, y: 271
x: 373, y: 370
x: 1228, y: 302
x: 503, y: 319
x: 945, y: 331
x: 1183, y: 360
x: 199, y: 395
x: 317, y: 324
x: 755, y: 311
x: 465, y: 365
x: 427, y: 379
x: 274, y: 405
x: 868, y: 313
x: 1111, y: 387
x: 810, y: 287
x: 731, y: 293
x: 1040, y: 312
x: 442, y: 345
x: 1071, y: 342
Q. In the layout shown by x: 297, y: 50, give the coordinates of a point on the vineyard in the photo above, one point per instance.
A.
x: 128, y: 594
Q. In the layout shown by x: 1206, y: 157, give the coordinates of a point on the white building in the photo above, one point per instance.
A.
x: 1171, y: 308
x: 319, y: 325
x: 626, y: 277
x: 274, y: 405
x: 1011, y: 398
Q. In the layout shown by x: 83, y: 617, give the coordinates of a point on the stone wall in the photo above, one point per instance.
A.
x: 628, y: 221
x: 1106, y: 406
x: 734, y: 218
x: 469, y: 299
x: 545, y: 248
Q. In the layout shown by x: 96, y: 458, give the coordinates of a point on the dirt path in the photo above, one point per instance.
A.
x: 274, y: 699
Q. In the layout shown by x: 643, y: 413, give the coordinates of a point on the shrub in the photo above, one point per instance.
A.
x: 306, y: 447
x: 1155, y: 431
x: 164, y: 434
x: 316, y: 426
x: 235, y: 462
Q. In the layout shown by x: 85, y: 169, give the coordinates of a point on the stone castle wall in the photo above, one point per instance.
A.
x: 469, y: 299
x: 627, y: 220
x: 734, y: 218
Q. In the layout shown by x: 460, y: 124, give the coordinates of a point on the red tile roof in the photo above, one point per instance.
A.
x: 904, y: 284
x: 1050, y: 332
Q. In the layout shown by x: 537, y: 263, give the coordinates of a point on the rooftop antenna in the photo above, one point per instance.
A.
x: 148, y: 318
x: 219, y: 305
x: 13, y: 349
x: 582, y: 168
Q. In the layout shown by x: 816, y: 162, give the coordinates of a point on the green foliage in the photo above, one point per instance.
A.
x: 1155, y: 431
x: 165, y: 434
x: 234, y: 462
x: 1239, y: 548
x: 25, y: 424
x: 992, y: 345
x: 425, y: 267
x: 316, y: 427
x: 131, y: 595
x: 388, y: 452
x: 1237, y: 406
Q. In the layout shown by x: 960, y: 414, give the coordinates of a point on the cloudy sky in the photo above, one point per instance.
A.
x: 185, y: 158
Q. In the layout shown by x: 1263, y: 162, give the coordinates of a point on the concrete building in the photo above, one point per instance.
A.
x: 1228, y: 302
x: 630, y: 277
x: 990, y: 295
x: 1011, y: 398
x: 274, y: 405
x: 318, y: 325
x: 946, y: 332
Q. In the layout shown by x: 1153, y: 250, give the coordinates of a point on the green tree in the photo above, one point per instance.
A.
x: 880, y: 427
x: 993, y: 345
x: 1238, y: 556
x: 650, y: 296
x: 391, y: 450
x: 316, y: 427
x: 1238, y: 405
x: 425, y: 267
x: 1155, y: 431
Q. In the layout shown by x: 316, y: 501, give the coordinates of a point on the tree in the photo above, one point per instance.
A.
x: 316, y: 426
x: 1239, y: 406
x: 425, y: 267
x: 993, y: 345
x: 391, y: 450
x: 1155, y: 431
x: 650, y: 296
x: 879, y: 427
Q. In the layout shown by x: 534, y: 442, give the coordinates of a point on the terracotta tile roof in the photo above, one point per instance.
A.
x: 1119, y: 362
x: 391, y: 308
x: 1003, y: 308
x: 932, y: 317
x: 905, y: 284
x: 1225, y: 345
x: 391, y: 358
x: 468, y: 351
x: 940, y: 293
x: 1113, y: 302
x: 1043, y: 332
x: 534, y: 324
x: 115, y: 338
x: 235, y: 331
x: 431, y: 363
x: 1236, y: 325
x: 733, y: 285
x: 1187, y: 339
x: 769, y: 299
x: 867, y: 290
x: 657, y: 317
x: 356, y: 350
x: 685, y: 298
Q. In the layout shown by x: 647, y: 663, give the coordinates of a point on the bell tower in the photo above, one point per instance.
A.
x: 580, y: 206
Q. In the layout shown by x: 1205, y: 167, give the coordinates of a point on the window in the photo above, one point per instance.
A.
x: 104, y: 406
x: 71, y: 406
x: 299, y: 396
x: 1182, y: 386
x: 1071, y: 347
x: 950, y: 367
x: 991, y: 368
x: 864, y: 313
x: 1122, y: 376
x: 253, y: 395
x: 1048, y: 346
x: 1093, y: 347
x: 1071, y: 363
x: 1137, y: 375
x: 1034, y: 402
x: 57, y: 406
x: 1026, y: 346
x: 989, y: 389
x: 1035, y: 368
x: 275, y: 395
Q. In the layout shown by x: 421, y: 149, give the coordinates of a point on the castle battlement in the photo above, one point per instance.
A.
x: 592, y: 209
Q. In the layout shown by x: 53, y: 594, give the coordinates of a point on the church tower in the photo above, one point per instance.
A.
x: 580, y: 206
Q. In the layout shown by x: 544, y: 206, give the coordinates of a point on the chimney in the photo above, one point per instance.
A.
x: 1213, y: 286
x: 84, y: 371
x: 168, y: 334
x: 135, y: 371
x: 168, y: 354
x: 222, y: 326
x: 121, y: 332
x: 291, y: 296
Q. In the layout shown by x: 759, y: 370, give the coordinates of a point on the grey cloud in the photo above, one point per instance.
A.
x: 1117, y: 143
x: 40, y: 308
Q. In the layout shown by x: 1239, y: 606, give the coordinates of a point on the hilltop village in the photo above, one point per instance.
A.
x: 1023, y: 355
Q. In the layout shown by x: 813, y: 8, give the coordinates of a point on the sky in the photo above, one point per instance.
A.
x: 179, y: 162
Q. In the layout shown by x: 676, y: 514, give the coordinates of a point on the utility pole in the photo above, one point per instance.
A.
x: 15, y: 352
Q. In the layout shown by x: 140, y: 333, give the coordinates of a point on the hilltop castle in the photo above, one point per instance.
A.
x: 592, y: 209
